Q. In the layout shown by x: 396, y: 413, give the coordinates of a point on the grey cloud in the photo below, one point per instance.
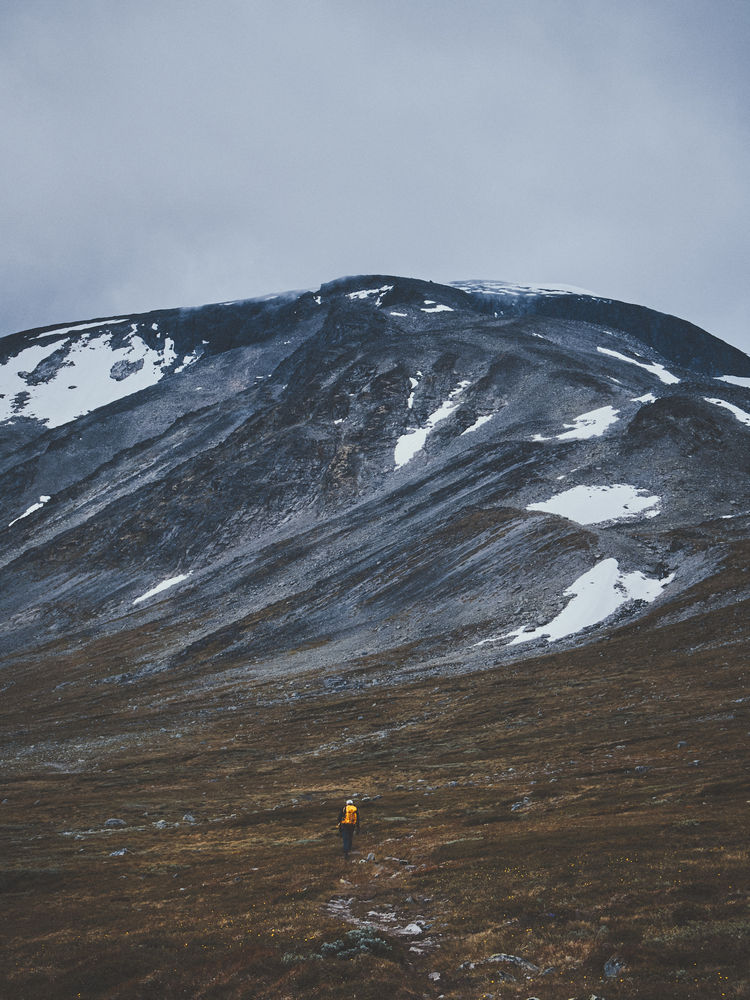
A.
x: 166, y: 154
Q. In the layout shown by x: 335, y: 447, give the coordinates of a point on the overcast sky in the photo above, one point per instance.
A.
x: 159, y: 154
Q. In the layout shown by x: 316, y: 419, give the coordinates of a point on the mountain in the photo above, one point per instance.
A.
x: 379, y: 483
x: 387, y: 472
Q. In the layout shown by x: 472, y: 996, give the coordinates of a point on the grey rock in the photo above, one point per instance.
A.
x: 115, y: 822
x: 123, y: 369
x: 189, y: 818
x: 613, y: 967
x: 516, y: 960
x: 411, y: 930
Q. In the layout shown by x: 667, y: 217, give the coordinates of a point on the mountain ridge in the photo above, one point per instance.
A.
x: 283, y: 421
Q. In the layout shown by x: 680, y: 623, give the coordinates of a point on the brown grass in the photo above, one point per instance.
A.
x: 542, y: 810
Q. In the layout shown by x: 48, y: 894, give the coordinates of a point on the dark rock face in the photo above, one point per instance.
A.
x: 386, y: 474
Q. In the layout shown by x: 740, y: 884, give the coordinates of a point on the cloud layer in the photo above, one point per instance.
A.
x: 166, y: 154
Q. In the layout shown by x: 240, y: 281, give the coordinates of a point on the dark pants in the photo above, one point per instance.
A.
x: 347, y: 833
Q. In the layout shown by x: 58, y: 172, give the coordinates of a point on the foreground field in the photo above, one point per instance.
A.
x: 572, y: 827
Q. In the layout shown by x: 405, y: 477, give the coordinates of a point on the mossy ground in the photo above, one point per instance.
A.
x: 567, y: 810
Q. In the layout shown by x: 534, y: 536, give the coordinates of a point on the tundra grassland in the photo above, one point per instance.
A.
x: 564, y: 826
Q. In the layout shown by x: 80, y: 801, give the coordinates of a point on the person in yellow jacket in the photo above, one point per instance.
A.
x: 348, y: 823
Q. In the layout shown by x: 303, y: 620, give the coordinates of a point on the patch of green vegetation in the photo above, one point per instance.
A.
x: 360, y: 941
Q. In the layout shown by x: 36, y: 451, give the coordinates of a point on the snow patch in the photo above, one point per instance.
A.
x: 412, y: 442
x: 649, y: 397
x: 591, y: 424
x: 509, y: 288
x: 84, y: 380
x: 595, y: 596
x: 436, y: 308
x: 35, y: 506
x: 164, y: 585
x: 595, y: 504
x: 189, y: 359
x: 398, y: 314
x: 414, y: 383
x: 64, y: 330
x: 479, y: 422
x: 741, y: 415
x: 735, y: 380
x: 656, y: 369
x: 367, y: 293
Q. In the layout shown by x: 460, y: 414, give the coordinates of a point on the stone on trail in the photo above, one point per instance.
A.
x: 613, y: 967
x: 516, y: 960
x: 412, y: 930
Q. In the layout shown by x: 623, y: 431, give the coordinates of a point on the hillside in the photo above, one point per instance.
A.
x: 475, y: 553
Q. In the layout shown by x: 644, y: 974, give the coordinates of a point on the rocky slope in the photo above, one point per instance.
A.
x: 380, y: 477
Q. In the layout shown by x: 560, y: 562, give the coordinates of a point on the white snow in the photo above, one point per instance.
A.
x: 594, y: 596
x: 437, y: 308
x: 189, y: 359
x: 741, y: 415
x: 409, y: 444
x: 479, y: 422
x: 595, y: 504
x: 510, y: 288
x: 164, y: 585
x: 414, y: 383
x: 649, y: 397
x: 11, y: 372
x: 398, y: 314
x: 412, y: 442
x: 656, y: 369
x: 735, y: 380
x: 63, y: 330
x: 83, y: 381
x: 366, y: 293
x: 35, y: 506
x: 591, y: 424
